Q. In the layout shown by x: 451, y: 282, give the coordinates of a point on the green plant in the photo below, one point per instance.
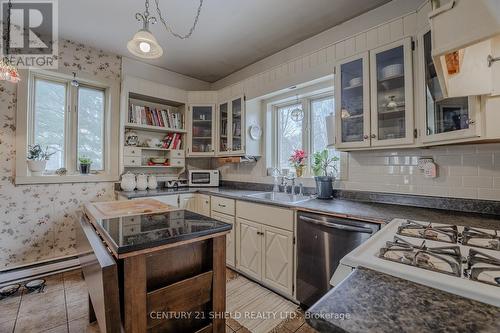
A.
x: 37, y: 153
x: 322, y: 163
x: 85, y: 160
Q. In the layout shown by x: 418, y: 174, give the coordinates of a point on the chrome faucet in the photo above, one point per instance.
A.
x: 276, y: 173
x: 292, y: 187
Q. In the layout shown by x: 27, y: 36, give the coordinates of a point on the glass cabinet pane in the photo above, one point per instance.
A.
x: 442, y: 115
x: 391, y: 99
x: 236, y: 124
x: 223, y: 122
x: 202, y: 129
x: 351, y: 80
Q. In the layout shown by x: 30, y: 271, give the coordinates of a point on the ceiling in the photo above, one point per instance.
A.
x: 230, y: 35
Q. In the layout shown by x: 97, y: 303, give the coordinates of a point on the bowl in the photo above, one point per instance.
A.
x: 355, y: 82
x: 391, y: 71
x: 158, y: 160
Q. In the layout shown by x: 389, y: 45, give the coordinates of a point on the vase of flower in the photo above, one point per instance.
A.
x: 37, y: 159
x: 298, y: 160
x: 324, y: 168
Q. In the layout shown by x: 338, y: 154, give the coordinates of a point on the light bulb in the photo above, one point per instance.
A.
x: 145, y: 47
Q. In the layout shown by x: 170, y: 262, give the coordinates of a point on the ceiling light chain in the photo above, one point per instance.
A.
x: 186, y: 36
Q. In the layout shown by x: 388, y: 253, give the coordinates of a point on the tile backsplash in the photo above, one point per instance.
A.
x: 464, y: 171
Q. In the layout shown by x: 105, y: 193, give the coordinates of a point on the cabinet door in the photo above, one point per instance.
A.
x: 237, y: 130
x: 187, y: 202
x: 172, y: 200
x: 230, y: 237
x: 445, y: 119
x: 249, y: 247
x: 223, y: 145
x: 201, y: 131
x: 277, y: 262
x: 203, y: 203
x: 392, y: 94
x: 352, y: 111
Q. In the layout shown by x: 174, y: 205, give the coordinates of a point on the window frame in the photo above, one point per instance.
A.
x: 25, y: 130
x: 307, y: 144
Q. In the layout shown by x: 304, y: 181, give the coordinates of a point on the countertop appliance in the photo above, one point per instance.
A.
x: 460, y: 260
x: 203, y: 178
x: 321, y: 242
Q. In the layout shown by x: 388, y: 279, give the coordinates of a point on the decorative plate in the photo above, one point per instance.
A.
x: 255, y: 132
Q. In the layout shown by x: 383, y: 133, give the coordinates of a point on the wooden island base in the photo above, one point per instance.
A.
x: 178, y: 289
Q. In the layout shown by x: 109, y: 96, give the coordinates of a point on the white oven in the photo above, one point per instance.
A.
x: 203, y: 178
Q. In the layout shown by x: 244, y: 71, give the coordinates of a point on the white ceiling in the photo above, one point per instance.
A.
x: 230, y: 35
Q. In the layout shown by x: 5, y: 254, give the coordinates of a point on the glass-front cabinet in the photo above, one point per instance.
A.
x: 201, y: 131
x: 445, y: 119
x: 231, y: 127
x: 392, y: 94
x: 353, y: 109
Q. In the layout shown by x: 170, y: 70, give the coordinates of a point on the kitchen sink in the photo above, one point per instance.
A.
x: 280, y: 197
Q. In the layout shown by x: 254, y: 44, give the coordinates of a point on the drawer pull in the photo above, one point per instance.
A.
x: 222, y: 206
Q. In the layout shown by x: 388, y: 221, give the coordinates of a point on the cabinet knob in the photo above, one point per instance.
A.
x: 470, y: 121
x: 373, y: 136
x: 365, y: 137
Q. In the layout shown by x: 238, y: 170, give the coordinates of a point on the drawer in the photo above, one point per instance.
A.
x: 223, y: 205
x: 132, y: 160
x: 269, y: 215
x: 223, y: 217
x: 131, y: 151
x: 177, y: 154
x: 177, y: 162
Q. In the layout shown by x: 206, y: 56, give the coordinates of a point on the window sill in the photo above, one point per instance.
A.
x: 55, y: 179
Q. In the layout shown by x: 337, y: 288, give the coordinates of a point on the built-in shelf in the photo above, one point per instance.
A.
x: 155, y: 166
x: 154, y: 128
x: 152, y: 148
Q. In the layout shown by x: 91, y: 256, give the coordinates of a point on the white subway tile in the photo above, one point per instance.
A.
x: 489, y: 194
x: 460, y: 192
x: 496, y: 182
x: 477, y: 181
x: 463, y: 170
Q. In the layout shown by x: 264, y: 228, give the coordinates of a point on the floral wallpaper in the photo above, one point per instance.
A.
x: 37, y: 222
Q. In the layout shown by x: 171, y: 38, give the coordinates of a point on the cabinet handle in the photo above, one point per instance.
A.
x: 206, y: 201
x: 365, y: 137
x: 373, y: 136
x: 223, y: 206
x: 471, y: 121
x: 260, y: 233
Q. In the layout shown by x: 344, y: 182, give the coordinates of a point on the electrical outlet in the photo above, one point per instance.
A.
x: 423, y: 161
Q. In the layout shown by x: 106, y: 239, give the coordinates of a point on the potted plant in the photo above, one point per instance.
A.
x: 37, y: 159
x: 298, y: 161
x: 324, y: 168
x: 85, y: 163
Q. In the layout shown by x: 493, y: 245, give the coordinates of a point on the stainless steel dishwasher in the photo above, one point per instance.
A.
x: 321, y: 242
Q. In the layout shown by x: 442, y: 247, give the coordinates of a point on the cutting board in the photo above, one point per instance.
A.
x: 113, y: 209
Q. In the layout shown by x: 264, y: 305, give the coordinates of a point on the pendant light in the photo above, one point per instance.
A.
x: 297, y: 114
x: 8, y: 72
x: 144, y: 44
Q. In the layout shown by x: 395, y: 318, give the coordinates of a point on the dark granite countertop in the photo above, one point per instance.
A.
x: 368, y: 211
x: 370, y: 301
x: 133, y: 233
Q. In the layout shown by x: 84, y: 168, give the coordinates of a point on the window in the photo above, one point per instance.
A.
x: 308, y: 133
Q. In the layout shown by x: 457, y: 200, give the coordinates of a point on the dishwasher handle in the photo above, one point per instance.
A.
x: 336, y: 225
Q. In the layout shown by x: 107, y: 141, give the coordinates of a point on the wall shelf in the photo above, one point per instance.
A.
x: 154, y: 128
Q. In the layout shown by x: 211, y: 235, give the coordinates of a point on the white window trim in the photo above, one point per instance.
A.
x: 24, y: 130
x: 306, y: 101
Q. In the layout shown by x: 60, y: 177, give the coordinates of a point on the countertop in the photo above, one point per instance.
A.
x: 370, y: 301
x: 125, y: 235
x: 367, y: 211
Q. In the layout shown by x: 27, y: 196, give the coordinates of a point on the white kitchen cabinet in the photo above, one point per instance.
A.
x: 249, y: 247
x: 231, y: 127
x: 188, y: 202
x: 352, y: 111
x: 230, y: 237
x: 391, y: 86
x: 277, y: 267
x: 444, y: 119
x: 201, y: 130
x: 172, y: 200
x: 203, y: 204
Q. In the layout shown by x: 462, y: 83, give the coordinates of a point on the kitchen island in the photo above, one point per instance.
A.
x: 154, y: 272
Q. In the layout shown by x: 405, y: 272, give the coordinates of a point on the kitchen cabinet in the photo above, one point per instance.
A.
x: 375, y: 97
x: 353, y: 109
x: 172, y: 200
x: 444, y: 118
x: 391, y: 76
x: 249, y: 248
x: 230, y: 238
x: 231, y: 125
x: 203, y: 204
x: 188, y: 202
x: 201, y: 130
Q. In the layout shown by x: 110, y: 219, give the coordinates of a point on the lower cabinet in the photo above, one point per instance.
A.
x: 203, y: 204
x: 230, y: 237
x: 172, y: 200
x: 188, y: 202
x: 265, y: 244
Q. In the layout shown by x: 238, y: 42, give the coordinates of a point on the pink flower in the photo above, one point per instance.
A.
x: 298, y: 158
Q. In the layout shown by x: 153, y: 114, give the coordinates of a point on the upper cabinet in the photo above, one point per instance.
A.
x: 231, y: 127
x: 392, y: 94
x: 444, y: 118
x: 201, y: 130
x: 375, y: 99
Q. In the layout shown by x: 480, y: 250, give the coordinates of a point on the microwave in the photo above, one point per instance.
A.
x: 203, y: 178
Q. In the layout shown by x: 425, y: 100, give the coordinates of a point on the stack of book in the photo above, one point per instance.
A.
x: 172, y: 141
x: 144, y: 115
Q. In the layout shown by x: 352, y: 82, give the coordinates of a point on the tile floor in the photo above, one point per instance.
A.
x: 63, y: 308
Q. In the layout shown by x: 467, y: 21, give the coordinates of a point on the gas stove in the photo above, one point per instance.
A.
x: 461, y: 260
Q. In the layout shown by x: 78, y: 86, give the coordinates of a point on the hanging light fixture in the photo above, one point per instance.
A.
x: 297, y: 114
x: 144, y: 44
x: 7, y: 71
